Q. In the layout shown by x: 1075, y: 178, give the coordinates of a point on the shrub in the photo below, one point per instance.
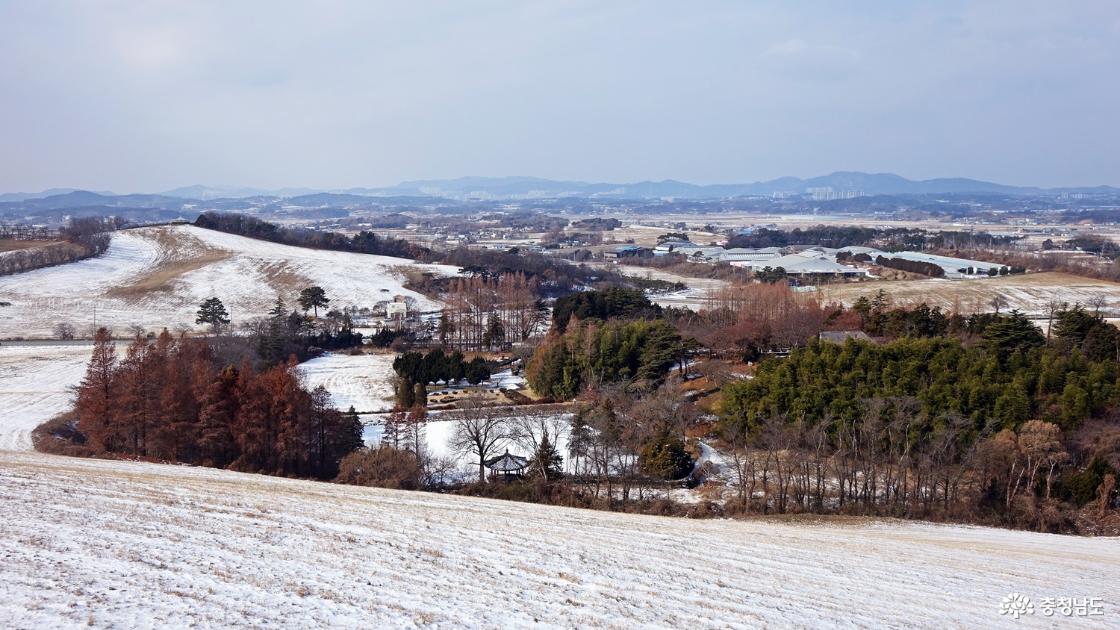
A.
x: 60, y: 436
x: 666, y: 457
x: 382, y: 467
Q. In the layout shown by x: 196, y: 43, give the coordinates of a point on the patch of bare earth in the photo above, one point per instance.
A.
x: 1028, y: 293
x: 282, y: 278
x: 11, y: 245
x: 180, y: 254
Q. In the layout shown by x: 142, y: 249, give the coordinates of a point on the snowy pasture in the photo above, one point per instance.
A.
x: 363, y: 381
x: 35, y: 385
x: 148, y: 545
x: 1029, y: 293
x: 156, y: 277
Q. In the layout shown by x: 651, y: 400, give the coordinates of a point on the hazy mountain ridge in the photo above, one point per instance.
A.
x: 517, y: 187
x: 841, y: 181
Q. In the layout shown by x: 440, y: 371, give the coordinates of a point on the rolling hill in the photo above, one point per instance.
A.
x: 155, y: 545
x: 155, y: 277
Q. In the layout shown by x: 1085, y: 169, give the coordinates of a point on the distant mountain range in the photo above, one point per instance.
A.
x: 864, y: 183
x: 496, y: 188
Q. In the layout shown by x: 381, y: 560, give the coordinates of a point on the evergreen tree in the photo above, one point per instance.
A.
x: 353, y: 431
x: 406, y: 396
x: 445, y: 328
x: 495, y: 334
x: 546, y: 462
x: 279, y: 309
x: 313, y: 298
x: 477, y: 371
x: 1013, y: 331
x: 213, y: 313
x: 666, y: 457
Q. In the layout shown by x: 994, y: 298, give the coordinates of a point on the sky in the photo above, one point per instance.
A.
x: 148, y: 96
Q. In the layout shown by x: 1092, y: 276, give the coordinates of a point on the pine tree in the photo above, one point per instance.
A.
x: 445, y: 328
x: 495, y: 334
x: 406, y: 396
x: 213, y: 313
x: 313, y: 298
x: 279, y: 309
x: 353, y: 431
x: 546, y: 462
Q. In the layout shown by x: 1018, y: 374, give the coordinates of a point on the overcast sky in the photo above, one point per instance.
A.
x: 146, y: 96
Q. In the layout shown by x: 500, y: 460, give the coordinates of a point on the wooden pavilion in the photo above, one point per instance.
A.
x: 506, y: 467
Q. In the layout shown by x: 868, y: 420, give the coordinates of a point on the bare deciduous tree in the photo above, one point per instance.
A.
x: 64, y: 331
x: 479, y: 430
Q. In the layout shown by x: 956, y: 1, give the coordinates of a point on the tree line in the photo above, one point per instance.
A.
x: 549, y: 276
x: 837, y: 236
x: 364, y: 242
x: 83, y: 238
x: 169, y: 399
x: 935, y: 427
x: 415, y: 370
x: 603, y: 352
x: 912, y: 266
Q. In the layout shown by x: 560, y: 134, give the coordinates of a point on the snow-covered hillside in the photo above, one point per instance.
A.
x: 35, y: 384
x: 147, y: 545
x: 156, y: 277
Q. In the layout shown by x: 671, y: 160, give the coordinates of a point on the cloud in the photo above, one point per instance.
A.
x: 143, y: 96
x: 798, y: 59
x: 788, y: 48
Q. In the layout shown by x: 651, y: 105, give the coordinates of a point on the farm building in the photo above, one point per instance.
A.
x: 840, y: 336
x: 809, y: 266
x: 625, y: 251
x: 955, y: 268
x: 744, y: 257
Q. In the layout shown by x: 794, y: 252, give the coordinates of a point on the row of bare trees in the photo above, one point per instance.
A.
x: 484, y: 313
x: 83, y: 238
x: 623, y: 448
x: 480, y: 432
x: 756, y: 318
x: 880, y: 465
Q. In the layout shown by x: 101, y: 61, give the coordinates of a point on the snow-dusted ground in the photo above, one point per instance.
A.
x: 363, y: 381
x: 35, y: 384
x: 1029, y: 293
x: 439, y: 435
x: 156, y: 277
x: 148, y: 545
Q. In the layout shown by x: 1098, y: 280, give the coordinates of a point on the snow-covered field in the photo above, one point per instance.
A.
x: 146, y: 545
x: 363, y: 381
x: 156, y: 277
x: 1029, y: 293
x: 35, y: 384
